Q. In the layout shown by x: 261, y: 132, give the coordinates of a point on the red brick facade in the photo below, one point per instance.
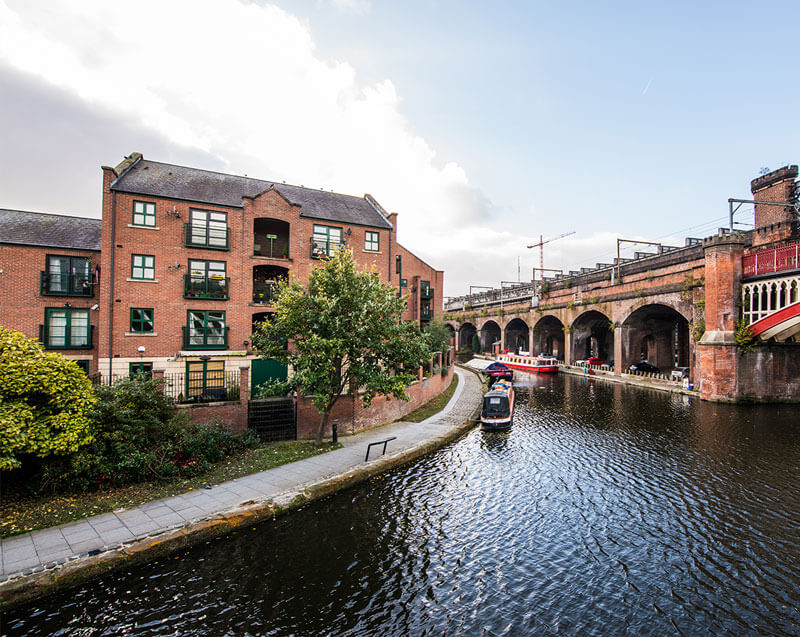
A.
x: 21, y: 269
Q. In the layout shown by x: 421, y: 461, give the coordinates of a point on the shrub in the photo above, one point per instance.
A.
x: 272, y: 387
x: 44, y: 402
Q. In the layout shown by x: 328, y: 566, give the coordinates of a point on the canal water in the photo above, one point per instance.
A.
x: 606, y: 510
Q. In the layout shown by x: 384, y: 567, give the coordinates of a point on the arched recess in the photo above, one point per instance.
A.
x: 490, y: 334
x: 548, y: 337
x: 517, y: 335
x: 657, y: 334
x: 265, y: 281
x: 452, y: 331
x: 592, y: 335
x: 271, y: 238
x: 465, y: 334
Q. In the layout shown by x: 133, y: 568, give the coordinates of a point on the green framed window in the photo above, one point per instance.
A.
x: 372, y: 241
x: 144, y: 214
x: 143, y: 266
x: 425, y: 290
x: 140, y: 368
x: 403, y: 283
x: 205, y: 329
x: 208, y: 229
x: 67, y: 276
x: 141, y: 320
x: 66, y: 328
x: 326, y: 241
x: 206, y: 280
x: 205, y: 380
x: 84, y: 365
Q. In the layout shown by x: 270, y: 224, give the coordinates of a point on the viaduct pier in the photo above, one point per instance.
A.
x: 725, y: 308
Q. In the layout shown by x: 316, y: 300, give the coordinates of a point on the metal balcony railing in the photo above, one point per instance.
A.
x: 425, y: 313
x: 206, y: 287
x: 201, y: 236
x: 62, y: 338
x: 205, y: 339
x: 264, y: 293
x: 426, y: 292
x: 771, y: 260
x: 58, y: 284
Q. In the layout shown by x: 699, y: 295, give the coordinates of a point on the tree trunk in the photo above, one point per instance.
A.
x: 322, y: 425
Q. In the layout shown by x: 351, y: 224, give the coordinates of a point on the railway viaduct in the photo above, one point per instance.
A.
x: 689, y: 307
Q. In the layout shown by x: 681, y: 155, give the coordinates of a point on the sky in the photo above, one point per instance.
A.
x: 484, y: 125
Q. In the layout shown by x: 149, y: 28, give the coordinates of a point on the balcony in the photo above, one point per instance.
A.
x: 200, y: 236
x: 57, y: 284
x: 772, y: 260
x: 425, y: 313
x: 425, y: 292
x: 322, y: 249
x: 59, y: 338
x: 206, y: 288
x: 206, y: 339
x: 264, y: 294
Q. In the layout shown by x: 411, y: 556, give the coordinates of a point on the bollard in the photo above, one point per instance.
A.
x: 335, y: 431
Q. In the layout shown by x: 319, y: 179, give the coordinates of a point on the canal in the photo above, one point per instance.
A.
x: 606, y: 510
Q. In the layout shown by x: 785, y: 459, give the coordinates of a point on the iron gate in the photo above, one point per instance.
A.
x: 272, y: 418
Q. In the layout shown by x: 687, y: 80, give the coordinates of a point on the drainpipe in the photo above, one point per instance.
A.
x: 111, y: 289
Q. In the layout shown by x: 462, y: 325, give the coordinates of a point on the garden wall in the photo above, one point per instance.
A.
x: 353, y: 418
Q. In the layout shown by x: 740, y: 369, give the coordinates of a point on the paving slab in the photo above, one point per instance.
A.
x: 42, y: 549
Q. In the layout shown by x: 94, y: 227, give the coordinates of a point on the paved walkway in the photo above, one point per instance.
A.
x: 34, y: 552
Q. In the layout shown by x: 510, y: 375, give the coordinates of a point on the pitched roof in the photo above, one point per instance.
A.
x: 202, y: 186
x: 55, y: 231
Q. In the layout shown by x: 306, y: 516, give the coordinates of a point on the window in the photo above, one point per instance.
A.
x: 144, y: 214
x: 143, y: 266
x: 66, y: 328
x: 371, y: 241
x: 208, y: 229
x: 206, y: 280
x: 403, y: 283
x: 141, y: 320
x: 67, y: 276
x: 84, y: 365
x: 145, y: 370
x: 325, y: 242
x: 205, y: 329
x: 205, y: 380
x: 425, y: 290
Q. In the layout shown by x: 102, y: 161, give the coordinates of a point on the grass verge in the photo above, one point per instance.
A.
x: 20, y: 513
x: 434, y: 405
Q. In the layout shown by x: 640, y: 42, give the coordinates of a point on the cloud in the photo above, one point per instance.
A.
x: 237, y: 86
x: 355, y: 6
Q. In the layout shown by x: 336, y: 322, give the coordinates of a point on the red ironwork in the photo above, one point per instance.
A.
x: 770, y: 260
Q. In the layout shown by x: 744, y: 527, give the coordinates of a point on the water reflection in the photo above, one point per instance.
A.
x: 605, y: 510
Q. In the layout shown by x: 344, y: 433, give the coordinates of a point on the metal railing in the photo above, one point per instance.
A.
x: 202, y: 236
x: 771, y: 260
x: 206, y: 339
x: 379, y: 442
x: 426, y: 292
x: 263, y: 293
x: 425, y: 313
x: 58, y: 284
x: 72, y: 339
x: 202, y: 387
x: 206, y: 287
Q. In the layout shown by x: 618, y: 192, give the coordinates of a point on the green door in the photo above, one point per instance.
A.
x: 264, y: 369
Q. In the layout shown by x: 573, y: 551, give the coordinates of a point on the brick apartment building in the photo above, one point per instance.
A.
x: 184, y: 263
x: 48, y: 273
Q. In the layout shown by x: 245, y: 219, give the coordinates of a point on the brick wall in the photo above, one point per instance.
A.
x: 382, y: 410
x: 775, y: 223
x: 24, y: 306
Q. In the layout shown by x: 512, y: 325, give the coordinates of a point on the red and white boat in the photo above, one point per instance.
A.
x: 535, y: 364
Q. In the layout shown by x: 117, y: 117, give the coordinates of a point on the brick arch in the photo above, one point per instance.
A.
x: 490, y: 332
x: 657, y: 333
x: 592, y: 334
x: 465, y: 332
x: 548, y: 336
x: 516, y: 335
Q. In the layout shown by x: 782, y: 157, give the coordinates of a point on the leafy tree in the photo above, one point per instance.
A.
x: 437, y: 336
x: 45, y: 401
x: 345, y: 332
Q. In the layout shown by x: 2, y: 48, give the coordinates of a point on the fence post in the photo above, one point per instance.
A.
x: 244, y: 383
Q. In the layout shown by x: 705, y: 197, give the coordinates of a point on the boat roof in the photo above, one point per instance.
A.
x: 495, y: 366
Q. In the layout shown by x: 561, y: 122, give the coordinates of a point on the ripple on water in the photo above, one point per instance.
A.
x: 605, y: 510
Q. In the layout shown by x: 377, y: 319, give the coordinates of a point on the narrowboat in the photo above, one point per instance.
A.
x: 536, y: 364
x: 498, y: 406
x: 498, y: 371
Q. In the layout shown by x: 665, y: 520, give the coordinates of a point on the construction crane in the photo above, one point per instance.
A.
x: 541, y: 243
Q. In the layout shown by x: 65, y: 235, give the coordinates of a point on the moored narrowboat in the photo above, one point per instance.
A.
x: 498, y: 406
